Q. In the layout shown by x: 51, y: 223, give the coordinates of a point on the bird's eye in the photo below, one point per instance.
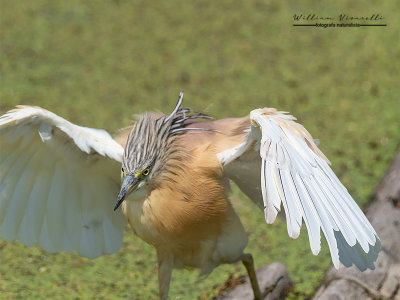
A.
x: 146, y: 172
x: 123, y: 171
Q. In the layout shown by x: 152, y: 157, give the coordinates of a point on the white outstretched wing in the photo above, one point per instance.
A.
x: 296, y: 174
x: 58, y: 184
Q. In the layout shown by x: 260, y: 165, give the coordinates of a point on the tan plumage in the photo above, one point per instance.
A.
x: 57, y: 187
x: 178, y: 216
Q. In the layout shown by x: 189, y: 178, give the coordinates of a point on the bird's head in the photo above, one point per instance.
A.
x: 149, y: 150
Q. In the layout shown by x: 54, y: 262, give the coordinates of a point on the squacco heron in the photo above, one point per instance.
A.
x: 58, y: 182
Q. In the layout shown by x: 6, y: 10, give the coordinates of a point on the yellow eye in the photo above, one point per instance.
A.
x: 123, y: 171
x: 146, y: 172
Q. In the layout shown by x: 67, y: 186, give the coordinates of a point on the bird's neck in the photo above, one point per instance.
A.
x: 139, y: 194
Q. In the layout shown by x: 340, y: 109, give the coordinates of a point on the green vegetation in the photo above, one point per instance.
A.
x: 98, y: 62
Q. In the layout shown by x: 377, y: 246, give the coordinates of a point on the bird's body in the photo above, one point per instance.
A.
x: 57, y: 187
x: 199, y: 228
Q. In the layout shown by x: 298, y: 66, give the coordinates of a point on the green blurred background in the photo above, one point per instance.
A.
x: 98, y: 62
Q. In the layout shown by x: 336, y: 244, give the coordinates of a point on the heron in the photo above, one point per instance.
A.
x: 72, y: 188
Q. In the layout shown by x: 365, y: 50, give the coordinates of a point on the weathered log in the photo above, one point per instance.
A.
x: 384, y: 281
x: 274, y: 275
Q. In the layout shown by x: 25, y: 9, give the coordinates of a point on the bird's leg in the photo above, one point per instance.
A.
x: 165, y: 265
x: 247, y: 260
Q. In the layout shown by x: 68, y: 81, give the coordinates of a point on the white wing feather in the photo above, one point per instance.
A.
x: 296, y: 174
x: 58, y: 184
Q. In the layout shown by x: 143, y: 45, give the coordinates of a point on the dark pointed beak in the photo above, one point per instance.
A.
x: 129, y: 183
